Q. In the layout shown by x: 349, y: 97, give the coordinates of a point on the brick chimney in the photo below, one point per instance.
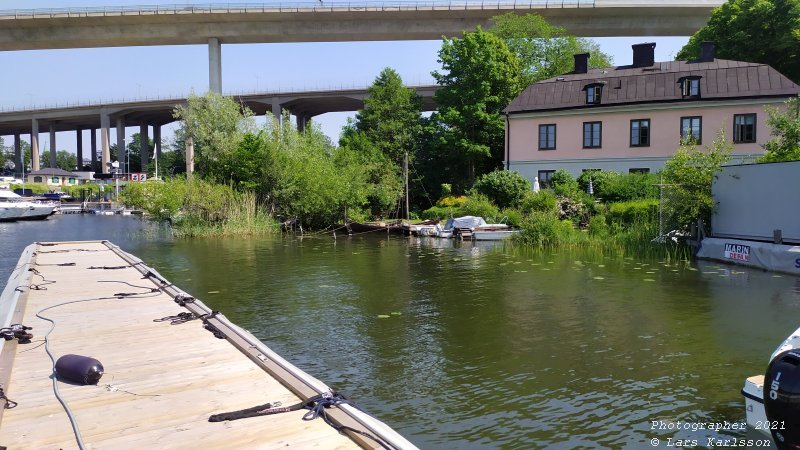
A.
x: 581, y: 63
x: 644, y: 54
x: 708, y: 51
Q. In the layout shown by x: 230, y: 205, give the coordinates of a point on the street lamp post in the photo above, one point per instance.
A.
x: 115, y: 169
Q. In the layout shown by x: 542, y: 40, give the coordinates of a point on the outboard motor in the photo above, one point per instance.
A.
x: 79, y: 369
x: 782, y: 399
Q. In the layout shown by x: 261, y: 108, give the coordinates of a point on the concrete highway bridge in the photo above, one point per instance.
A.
x: 156, y: 113
x: 318, y: 21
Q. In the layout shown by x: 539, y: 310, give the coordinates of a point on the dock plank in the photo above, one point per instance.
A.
x: 162, y: 381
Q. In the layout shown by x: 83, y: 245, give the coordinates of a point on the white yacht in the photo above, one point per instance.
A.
x: 28, y: 210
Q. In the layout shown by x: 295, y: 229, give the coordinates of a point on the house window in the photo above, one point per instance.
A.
x: 593, y: 93
x: 545, y: 177
x: 72, y: 181
x: 547, y: 137
x: 744, y: 128
x: 37, y: 179
x: 640, y: 170
x: 55, y: 179
x: 692, y: 129
x: 592, y: 134
x: 690, y: 87
x: 640, y: 133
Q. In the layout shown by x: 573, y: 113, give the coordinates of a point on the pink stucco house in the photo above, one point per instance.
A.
x: 632, y: 118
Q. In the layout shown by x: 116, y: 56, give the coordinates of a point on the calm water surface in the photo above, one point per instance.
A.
x: 484, y: 346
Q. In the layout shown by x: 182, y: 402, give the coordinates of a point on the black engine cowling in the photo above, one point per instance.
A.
x: 782, y: 399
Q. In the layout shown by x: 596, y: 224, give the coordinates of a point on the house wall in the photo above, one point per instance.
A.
x: 48, y: 179
x: 616, y: 152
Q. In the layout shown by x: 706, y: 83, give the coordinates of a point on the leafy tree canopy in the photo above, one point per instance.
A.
x: 761, y: 31
x: 544, y: 50
x: 391, y: 116
x: 785, y: 124
x: 480, y: 75
x: 64, y: 160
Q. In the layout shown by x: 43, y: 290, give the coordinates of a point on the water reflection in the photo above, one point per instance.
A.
x: 473, y: 346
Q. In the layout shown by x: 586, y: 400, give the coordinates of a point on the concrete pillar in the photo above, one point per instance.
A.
x: 105, y: 142
x: 302, y: 121
x: 35, y: 145
x: 79, y: 149
x: 121, y: 150
x: 53, y: 146
x: 189, y: 157
x: 157, y: 144
x: 144, y: 147
x: 214, y: 65
x: 276, y: 110
x: 93, y: 141
x: 18, y: 159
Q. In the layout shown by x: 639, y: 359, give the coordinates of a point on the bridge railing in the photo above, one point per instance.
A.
x: 315, y: 6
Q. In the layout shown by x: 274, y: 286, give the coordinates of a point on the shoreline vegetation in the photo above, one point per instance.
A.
x: 391, y: 158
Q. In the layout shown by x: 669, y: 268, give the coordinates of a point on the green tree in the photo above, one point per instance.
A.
x: 544, y: 50
x: 691, y: 172
x: 217, y: 125
x: 785, y: 124
x: 391, y: 116
x: 479, y: 77
x: 64, y: 160
x: 761, y: 31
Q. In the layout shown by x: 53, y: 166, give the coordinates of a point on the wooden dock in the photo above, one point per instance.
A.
x: 161, y: 381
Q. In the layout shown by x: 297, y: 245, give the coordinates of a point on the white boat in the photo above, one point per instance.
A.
x: 783, y: 378
x: 493, y: 235
x: 9, y: 212
x: 30, y: 210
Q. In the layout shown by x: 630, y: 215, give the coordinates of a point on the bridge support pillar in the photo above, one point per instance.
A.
x: 122, y: 152
x: 18, y: 160
x: 105, y: 142
x: 214, y: 65
x: 53, y: 164
x: 144, y: 145
x: 79, y: 148
x: 157, y: 143
x: 189, y: 157
x: 93, y: 144
x: 276, y: 110
x: 35, y: 145
x: 302, y: 121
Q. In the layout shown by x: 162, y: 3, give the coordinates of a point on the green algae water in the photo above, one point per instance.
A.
x: 461, y: 345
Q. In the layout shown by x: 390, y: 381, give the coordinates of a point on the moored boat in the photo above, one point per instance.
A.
x: 29, y: 210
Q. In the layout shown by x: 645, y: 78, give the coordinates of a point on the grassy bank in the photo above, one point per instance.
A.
x: 195, y: 208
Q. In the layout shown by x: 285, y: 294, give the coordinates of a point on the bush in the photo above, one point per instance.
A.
x: 615, y: 187
x: 505, y: 188
x: 479, y: 205
x: 564, y: 183
x: 512, y: 217
x: 601, y: 181
x: 598, y: 225
x: 451, y: 201
x: 541, y: 201
x: 627, y: 214
x: 544, y: 229
x: 439, y: 212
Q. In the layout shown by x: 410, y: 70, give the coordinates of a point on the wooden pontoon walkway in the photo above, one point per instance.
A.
x: 162, y: 381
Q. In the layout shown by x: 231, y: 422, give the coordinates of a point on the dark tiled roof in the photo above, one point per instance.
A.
x: 719, y: 79
x: 53, y: 172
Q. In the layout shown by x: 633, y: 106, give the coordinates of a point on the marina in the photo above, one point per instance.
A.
x: 170, y: 364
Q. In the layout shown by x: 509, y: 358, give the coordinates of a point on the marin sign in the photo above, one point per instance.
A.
x: 737, y: 252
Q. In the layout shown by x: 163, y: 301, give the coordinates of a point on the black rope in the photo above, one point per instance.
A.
x: 40, y: 286
x: 72, y: 250
x: 108, y: 267
x: 17, y: 331
x: 9, y: 403
x: 60, y: 264
x: 177, y: 319
x: 149, y: 289
x: 317, y: 407
x: 182, y: 299
x: 208, y: 326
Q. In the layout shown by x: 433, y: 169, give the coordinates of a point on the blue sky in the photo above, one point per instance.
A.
x: 53, y: 77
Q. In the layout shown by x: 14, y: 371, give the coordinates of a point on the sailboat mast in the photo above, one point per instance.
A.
x: 405, y: 181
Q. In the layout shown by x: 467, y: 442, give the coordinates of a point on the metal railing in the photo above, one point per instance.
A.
x: 182, y: 97
x: 316, y: 6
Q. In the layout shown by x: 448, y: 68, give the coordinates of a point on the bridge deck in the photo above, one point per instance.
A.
x: 162, y: 381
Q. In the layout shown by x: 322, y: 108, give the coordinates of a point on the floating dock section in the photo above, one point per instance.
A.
x: 169, y: 364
